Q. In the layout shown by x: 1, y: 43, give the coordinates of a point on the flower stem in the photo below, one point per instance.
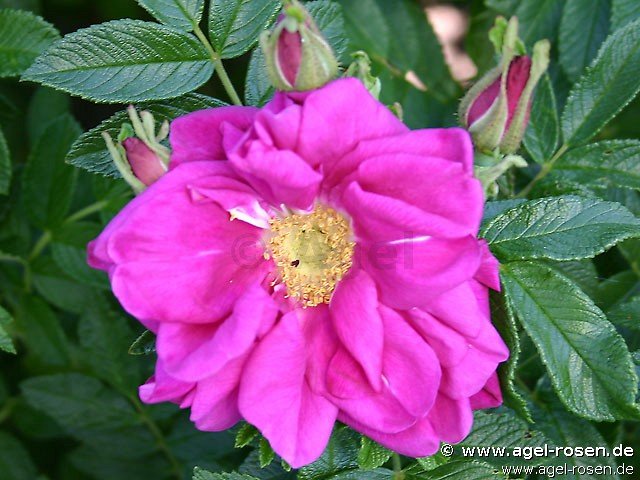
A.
x: 398, y: 473
x: 176, y: 469
x: 219, y: 67
x: 544, y: 171
x: 47, y: 236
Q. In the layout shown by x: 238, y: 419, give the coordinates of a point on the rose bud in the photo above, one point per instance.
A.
x: 297, y: 55
x: 139, y: 156
x: 145, y: 164
x: 496, y: 109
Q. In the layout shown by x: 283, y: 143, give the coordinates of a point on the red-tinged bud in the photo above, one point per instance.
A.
x: 496, y: 109
x: 296, y: 54
x: 144, y: 162
x: 139, y: 154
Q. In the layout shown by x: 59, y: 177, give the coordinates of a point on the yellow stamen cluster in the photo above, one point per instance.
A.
x: 312, y: 252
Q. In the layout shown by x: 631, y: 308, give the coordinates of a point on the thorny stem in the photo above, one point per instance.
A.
x: 219, y: 67
x: 159, y: 437
x: 544, y: 171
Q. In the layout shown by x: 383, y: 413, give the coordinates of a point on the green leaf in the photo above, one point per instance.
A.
x: 564, y: 429
x: 56, y: 288
x: 44, y: 337
x: 610, y: 163
x: 610, y: 83
x: 73, y: 262
x: 15, y: 463
x: 144, y: 344
x: 257, y: 89
x: 100, y: 466
x: 581, y: 272
x: 463, y: 470
x: 328, y: 18
x: 588, y: 362
x: 340, y: 455
x: 200, y: 474
x: 372, y: 455
x: 182, y: 14
x: 48, y: 181
x: 584, y: 26
x: 560, y: 228
x: 235, y: 25
x: 104, y: 336
x: 542, y: 137
x: 6, y: 345
x: 267, y: 455
x: 504, y: 320
x: 624, y: 12
x: 5, y: 166
x: 245, y: 435
x: 539, y: 19
x: 501, y: 429
x: 45, y: 105
x: 371, y: 25
x: 23, y: 36
x: 626, y: 314
x: 251, y: 466
x: 98, y: 63
x: 32, y: 5
x: 78, y: 402
x: 367, y: 27
x: 90, y: 152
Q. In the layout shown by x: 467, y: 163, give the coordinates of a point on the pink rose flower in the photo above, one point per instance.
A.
x: 313, y: 261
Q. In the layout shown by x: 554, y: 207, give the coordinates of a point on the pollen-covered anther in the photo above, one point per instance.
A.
x: 312, y: 252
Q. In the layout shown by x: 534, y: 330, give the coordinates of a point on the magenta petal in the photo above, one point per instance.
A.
x: 418, y: 440
x: 351, y: 392
x: 411, y: 368
x: 468, y: 316
x: 199, y: 135
x: 412, y: 375
x: 173, y: 257
x: 422, y: 270
x: 215, y: 402
x: 381, y: 218
x: 489, y: 271
x: 490, y: 396
x: 275, y: 396
x: 280, y: 176
x: 358, y: 324
x: 322, y: 344
x: 324, y: 114
x: 451, y: 419
x: 486, y: 352
x: 192, y: 352
x: 161, y: 387
x: 449, y: 345
x: 434, y: 185
x: 452, y: 144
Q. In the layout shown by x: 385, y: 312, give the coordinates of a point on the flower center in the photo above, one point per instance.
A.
x: 313, y: 252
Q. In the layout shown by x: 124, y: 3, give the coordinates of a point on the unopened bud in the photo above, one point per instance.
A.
x: 496, y: 109
x: 138, y: 154
x: 297, y: 55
